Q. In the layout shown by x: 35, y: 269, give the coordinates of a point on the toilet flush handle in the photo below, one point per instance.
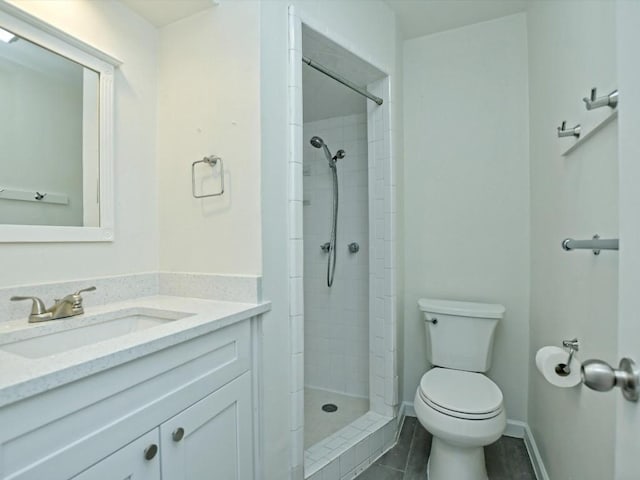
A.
x: 432, y: 320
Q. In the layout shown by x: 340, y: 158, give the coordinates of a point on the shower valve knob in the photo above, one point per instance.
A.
x: 354, y: 247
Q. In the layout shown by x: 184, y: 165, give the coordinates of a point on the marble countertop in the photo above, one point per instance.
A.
x: 22, y: 377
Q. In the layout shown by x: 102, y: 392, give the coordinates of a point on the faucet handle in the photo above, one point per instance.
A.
x: 88, y: 289
x: 77, y: 299
x: 37, y: 308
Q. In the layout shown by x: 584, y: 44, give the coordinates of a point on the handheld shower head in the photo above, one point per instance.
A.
x: 319, y: 143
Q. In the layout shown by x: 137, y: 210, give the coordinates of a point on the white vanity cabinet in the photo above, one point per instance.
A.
x: 210, y: 438
x: 191, y: 404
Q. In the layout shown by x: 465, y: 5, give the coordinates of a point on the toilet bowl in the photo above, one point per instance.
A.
x: 464, y: 412
x: 462, y: 408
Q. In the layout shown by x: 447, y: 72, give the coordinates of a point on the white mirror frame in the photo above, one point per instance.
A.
x: 39, y: 32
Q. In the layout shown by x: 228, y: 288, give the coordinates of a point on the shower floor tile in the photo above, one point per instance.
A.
x: 319, y: 424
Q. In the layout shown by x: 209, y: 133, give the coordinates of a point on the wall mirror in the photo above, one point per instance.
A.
x: 56, y: 140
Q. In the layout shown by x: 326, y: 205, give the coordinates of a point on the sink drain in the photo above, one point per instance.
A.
x: 329, y: 407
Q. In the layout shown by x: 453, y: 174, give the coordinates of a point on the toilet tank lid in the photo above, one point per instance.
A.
x: 463, y: 309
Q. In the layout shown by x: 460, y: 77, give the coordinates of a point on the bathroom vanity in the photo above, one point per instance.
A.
x: 169, y: 393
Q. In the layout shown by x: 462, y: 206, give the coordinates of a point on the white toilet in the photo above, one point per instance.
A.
x: 460, y: 407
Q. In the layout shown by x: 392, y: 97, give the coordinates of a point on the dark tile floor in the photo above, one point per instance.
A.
x: 507, y: 459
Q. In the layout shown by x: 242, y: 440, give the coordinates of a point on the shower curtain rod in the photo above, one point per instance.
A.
x: 341, y: 79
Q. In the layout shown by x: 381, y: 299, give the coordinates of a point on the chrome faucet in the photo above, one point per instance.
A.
x: 69, y: 306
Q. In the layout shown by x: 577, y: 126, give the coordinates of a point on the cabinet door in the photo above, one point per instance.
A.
x: 212, y: 439
x: 140, y: 460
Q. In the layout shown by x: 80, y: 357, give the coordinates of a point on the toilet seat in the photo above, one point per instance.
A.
x: 461, y: 394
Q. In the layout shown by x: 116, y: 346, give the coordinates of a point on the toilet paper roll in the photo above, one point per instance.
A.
x: 548, y: 358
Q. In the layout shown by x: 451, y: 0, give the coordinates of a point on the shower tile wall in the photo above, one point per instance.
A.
x: 336, y: 330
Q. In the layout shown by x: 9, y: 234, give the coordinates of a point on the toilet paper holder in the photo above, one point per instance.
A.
x: 600, y: 376
x: 564, y: 369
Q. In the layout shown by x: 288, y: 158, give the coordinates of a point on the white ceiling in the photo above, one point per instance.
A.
x: 164, y: 12
x: 424, y: 17
x: 416, y: 17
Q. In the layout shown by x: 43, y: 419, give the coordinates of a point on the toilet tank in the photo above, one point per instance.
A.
x: 460, y: 334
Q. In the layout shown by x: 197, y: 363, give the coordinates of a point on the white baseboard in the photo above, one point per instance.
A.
x: 534, y: 454
x: 408, y: 410
x: 400, y: 417
x: 515, y: 429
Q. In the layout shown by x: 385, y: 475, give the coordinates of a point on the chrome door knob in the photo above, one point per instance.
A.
x: 601, y: 376
x: 598, y: 375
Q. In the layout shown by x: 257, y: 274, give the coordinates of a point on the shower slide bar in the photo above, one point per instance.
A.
x: 339, y: 78
x: 596, y: 244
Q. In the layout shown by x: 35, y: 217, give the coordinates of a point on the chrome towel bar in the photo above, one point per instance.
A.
x: 596, y: 244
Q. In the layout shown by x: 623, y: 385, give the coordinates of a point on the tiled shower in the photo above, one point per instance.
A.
x: 344, y: 338
x: 337, y: 318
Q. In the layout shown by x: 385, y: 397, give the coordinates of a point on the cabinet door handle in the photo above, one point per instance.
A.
x: 150, y: 451
x: 178, y: 434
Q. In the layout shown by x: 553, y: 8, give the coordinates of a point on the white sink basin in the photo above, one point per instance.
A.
x: 100, y: 328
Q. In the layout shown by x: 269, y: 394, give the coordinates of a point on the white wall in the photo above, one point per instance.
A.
x: 113, y: 28
x: 572, y: 48
x: 368, y: 28
x: 336, y: 319
x: 209, y: 103
x: 466, y: 189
